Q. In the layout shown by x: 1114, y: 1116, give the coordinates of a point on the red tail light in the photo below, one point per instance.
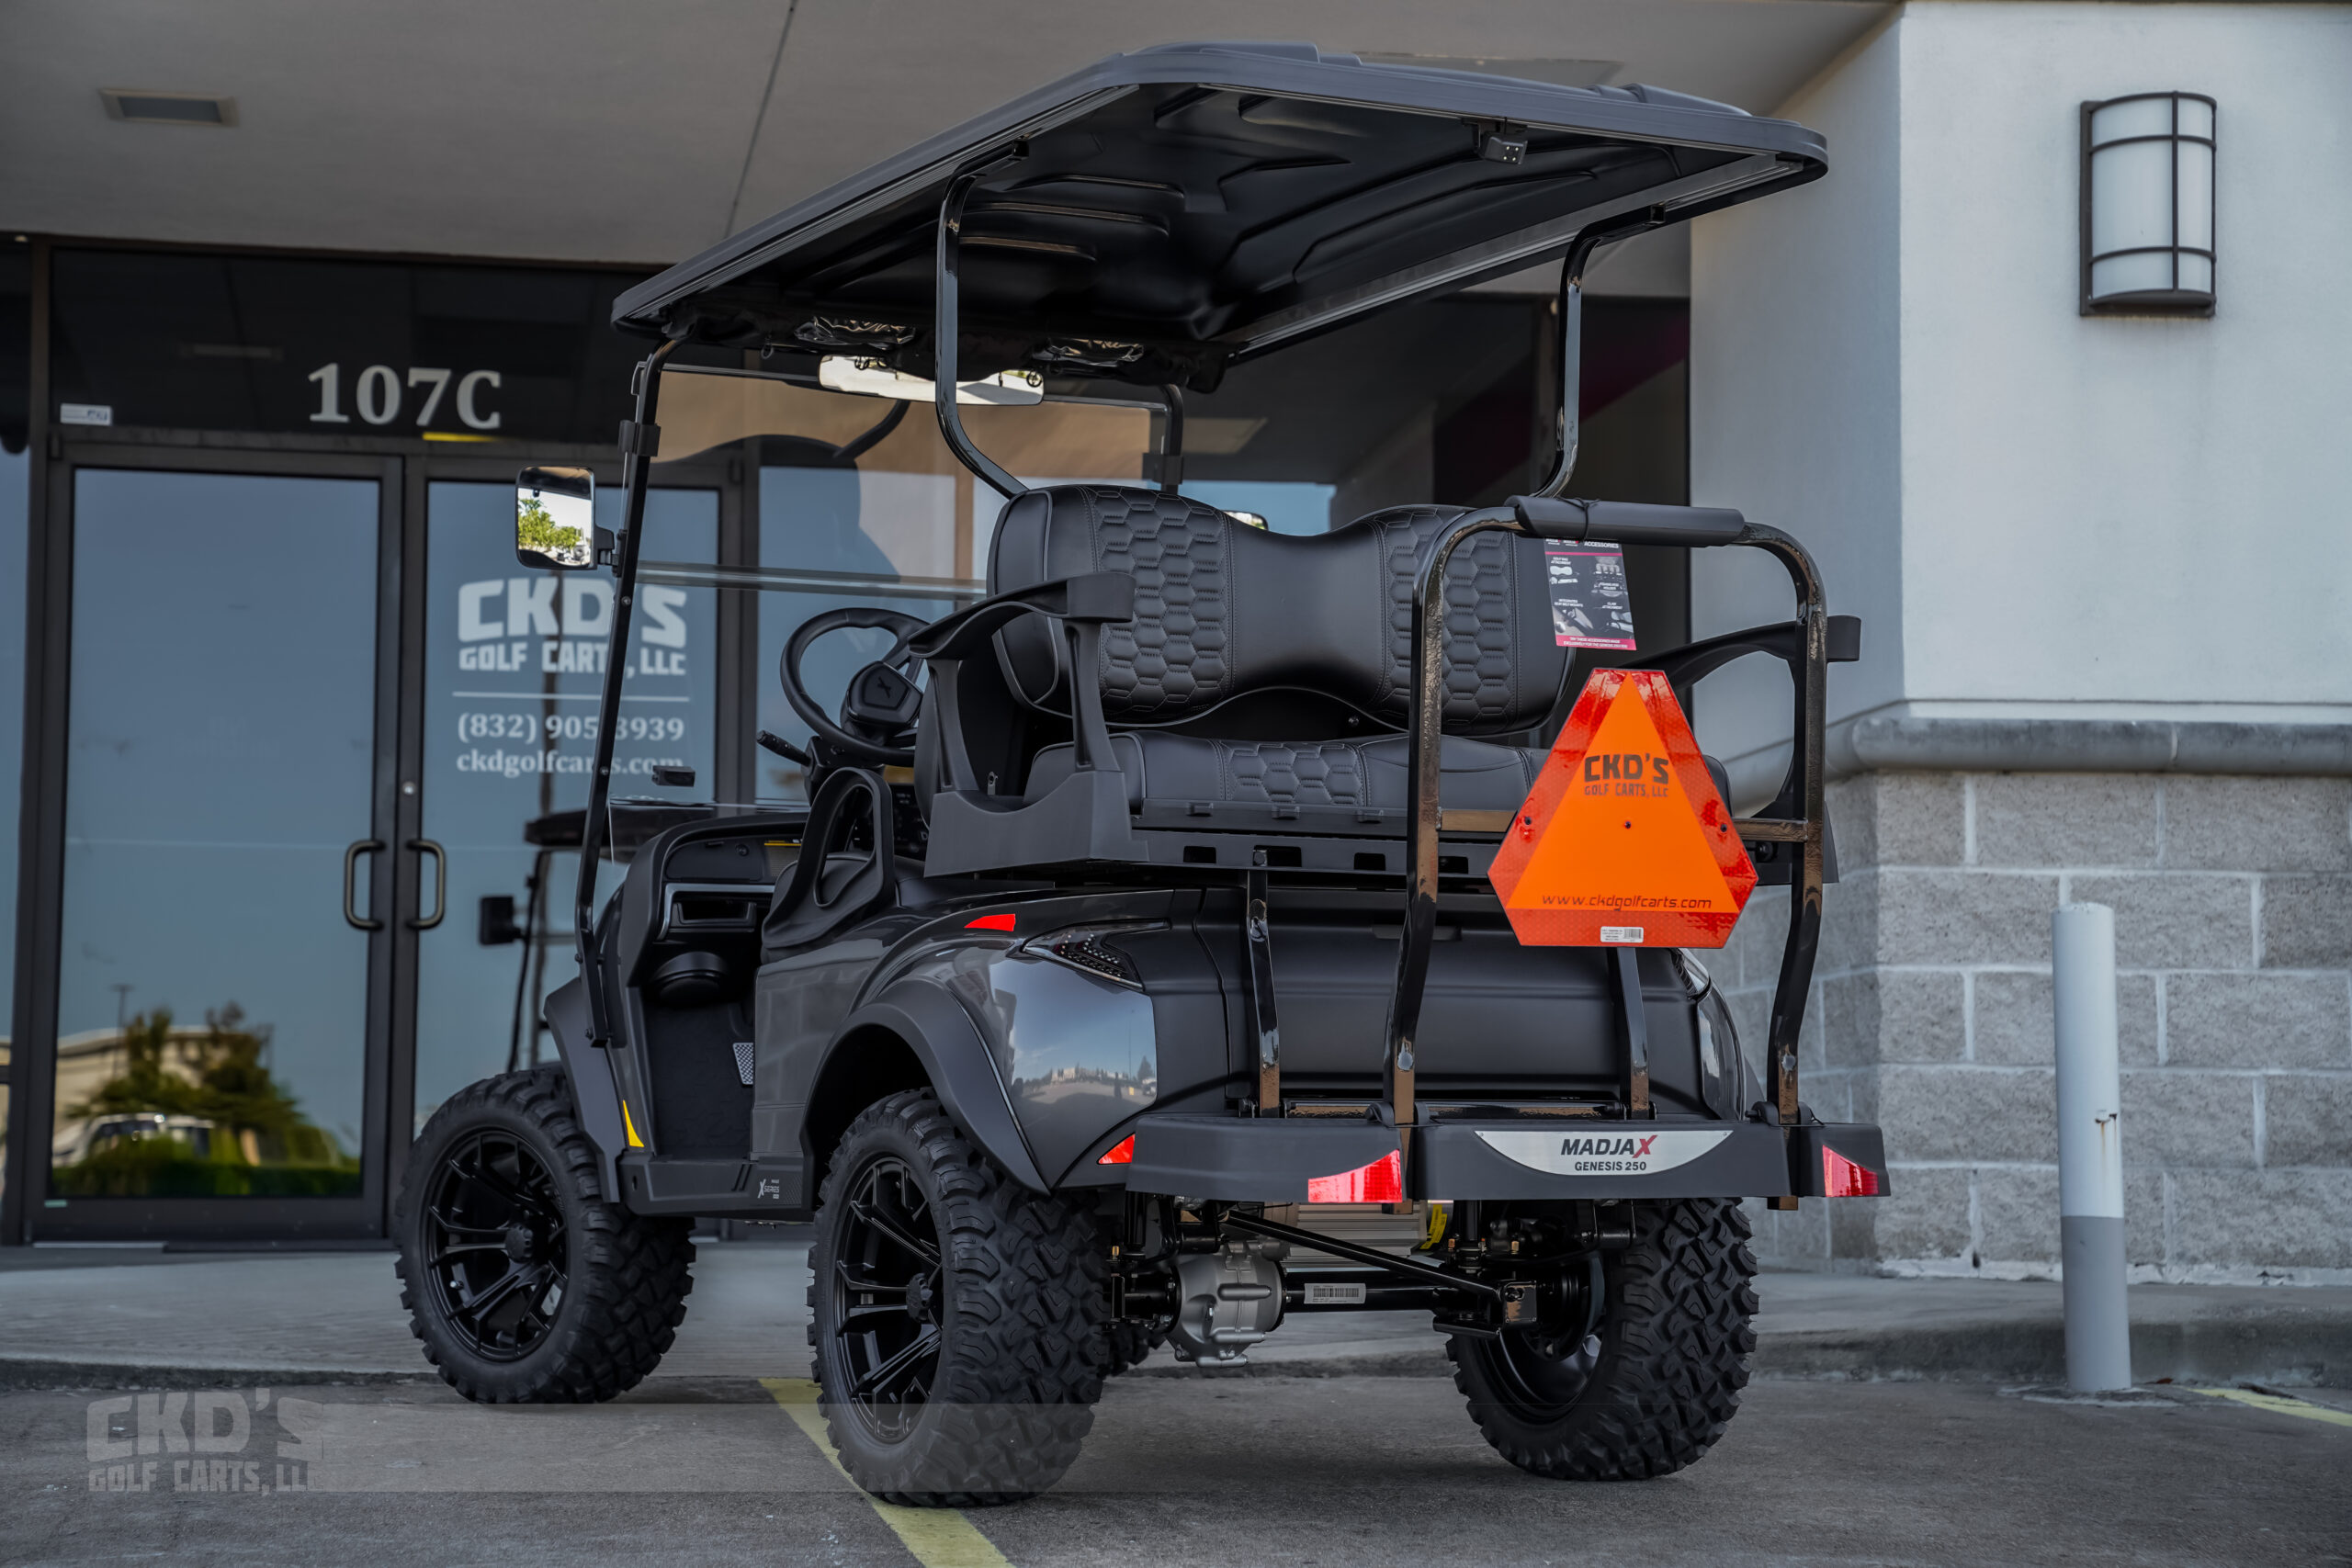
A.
x: 990, y: 923
x: 1121, y: 1152
x: 1841, y: 1178
x: 1382, y: 1181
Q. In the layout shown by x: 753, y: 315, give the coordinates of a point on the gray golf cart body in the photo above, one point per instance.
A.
x: 1196, y: 847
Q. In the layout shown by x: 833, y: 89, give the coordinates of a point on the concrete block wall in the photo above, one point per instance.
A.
x: 1930, y: 1013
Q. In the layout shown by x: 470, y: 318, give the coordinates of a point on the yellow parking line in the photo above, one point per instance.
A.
x: 2279, y: 1403
x: 939, y: 1537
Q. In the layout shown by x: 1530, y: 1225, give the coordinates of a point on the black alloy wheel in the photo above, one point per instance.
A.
x: 495, y: 1245
x: 1546, y: 1371
x: 1648, y: 1387
x: 957, y: 1315
x: 523, y: 1283
x: 889, y: 1293
x: 1544, y: 1374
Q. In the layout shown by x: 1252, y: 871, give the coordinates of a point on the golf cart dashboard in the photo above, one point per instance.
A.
x: 691, y: 911
x: 759, y: 857
x: 721, y: 884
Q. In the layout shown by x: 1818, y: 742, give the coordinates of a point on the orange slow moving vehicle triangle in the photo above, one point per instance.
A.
x: 1624, y: 842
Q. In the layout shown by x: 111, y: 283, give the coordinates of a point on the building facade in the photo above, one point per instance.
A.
x: 284, y: 726
x: 2102, y: 562
x: 301, y: 753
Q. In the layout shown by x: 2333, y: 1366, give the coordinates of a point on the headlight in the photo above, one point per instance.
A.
x: 1089, y: 950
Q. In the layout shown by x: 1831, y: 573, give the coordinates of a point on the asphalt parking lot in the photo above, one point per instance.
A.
x: 1179, y: 1470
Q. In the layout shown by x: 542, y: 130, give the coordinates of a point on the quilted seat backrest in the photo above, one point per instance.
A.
x: 1223, y: 609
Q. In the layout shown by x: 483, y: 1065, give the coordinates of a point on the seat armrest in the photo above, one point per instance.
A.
x: 1694, y: 661
x: 1082, y: 604
x: 1626, y: 522
x: 1093, y: 599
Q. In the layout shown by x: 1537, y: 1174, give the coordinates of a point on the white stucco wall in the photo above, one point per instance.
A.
x: 1795, y: 403
x: 2039, y: 513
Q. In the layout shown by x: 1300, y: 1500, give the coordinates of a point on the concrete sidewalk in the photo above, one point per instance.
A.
x: 108, y: 1317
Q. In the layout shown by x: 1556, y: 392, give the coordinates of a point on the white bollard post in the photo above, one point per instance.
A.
x: 2090, y: 1147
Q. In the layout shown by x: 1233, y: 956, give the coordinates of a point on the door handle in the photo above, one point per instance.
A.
x: 351, y: 883
x: 440, y: 884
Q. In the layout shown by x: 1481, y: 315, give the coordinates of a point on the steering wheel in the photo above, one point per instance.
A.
x: 878, y: 712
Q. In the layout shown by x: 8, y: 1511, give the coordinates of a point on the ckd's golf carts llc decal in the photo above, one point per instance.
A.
x: 517, y: 636
x: 1603, y: 1154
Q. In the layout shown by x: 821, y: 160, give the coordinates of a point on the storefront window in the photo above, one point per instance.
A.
x: 212, y: 1004
x: 875, y: 531
x: 894, y: 526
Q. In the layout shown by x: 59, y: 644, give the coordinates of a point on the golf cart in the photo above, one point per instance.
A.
x: 1164, y: 892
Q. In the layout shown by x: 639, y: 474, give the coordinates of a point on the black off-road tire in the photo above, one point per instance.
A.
x: 623, y: 1279
x: 1017, y: 1311
x: 1665, y: 1378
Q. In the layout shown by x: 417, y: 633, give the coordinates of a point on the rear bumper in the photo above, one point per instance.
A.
x: 1245, y: 1160
x: 1273, y: 1160
x: 1640, y: 1159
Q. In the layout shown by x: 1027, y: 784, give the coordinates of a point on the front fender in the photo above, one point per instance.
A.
x: 594, y: 1094
x: 961, y: 1068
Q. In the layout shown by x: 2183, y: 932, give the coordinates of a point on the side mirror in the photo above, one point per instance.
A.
x: 555, y: 519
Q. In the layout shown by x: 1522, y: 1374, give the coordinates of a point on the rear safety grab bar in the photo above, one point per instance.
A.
x: 1800, y: 811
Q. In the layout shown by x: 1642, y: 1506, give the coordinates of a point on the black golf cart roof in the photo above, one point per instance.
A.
x: 1183, y: 206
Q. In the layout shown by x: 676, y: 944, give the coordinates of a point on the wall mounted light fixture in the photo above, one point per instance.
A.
x: 2147, y: 206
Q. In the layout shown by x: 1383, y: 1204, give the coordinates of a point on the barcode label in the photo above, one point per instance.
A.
x: 1326, y: 1292
x: 1620, y: 933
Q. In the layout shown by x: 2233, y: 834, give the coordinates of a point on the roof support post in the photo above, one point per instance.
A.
x: 945, y: 324
x: 1572, y: 341
x: 641, y: 438
x: 1171, y: 438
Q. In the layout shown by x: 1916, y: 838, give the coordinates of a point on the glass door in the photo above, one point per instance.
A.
x: 513, y: 662
x: 225, y: 866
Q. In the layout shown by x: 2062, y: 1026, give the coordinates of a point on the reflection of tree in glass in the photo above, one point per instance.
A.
x: 536, y: 530
x: 230, y: 1129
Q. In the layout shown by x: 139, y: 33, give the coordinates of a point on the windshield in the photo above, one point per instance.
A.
x: 1443, y: 398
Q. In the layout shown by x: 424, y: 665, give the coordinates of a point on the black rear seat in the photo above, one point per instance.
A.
x: 1232, y: 619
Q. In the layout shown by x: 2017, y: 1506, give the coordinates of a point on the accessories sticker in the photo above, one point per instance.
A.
x: 1590, y: 604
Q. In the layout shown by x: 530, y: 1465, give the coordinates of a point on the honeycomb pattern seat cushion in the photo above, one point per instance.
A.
x: 1223, y: 610
x: 1170, y: 768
